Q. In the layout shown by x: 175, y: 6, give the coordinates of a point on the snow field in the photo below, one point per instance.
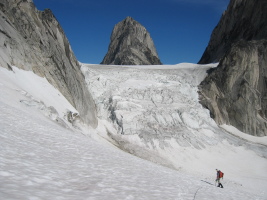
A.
x: 157, y: 115
x: 44, y: 157
x: 42, y: 160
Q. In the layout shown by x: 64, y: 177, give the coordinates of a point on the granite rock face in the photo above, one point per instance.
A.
x: 243, y: 20
x: 236, y: 91
x: 34, y: 40
x: 131, y: 44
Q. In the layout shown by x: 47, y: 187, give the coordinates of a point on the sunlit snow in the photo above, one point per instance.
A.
x: 42, y: 156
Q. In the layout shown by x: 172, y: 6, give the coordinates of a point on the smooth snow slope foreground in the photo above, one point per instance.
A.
x: 41, y: 159
x: 157, y: 116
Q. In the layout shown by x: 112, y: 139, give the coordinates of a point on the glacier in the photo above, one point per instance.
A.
x: 150, y: 112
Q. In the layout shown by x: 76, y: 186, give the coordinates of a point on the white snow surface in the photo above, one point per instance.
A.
x: 43, y: 156
x: 236, y: 132
x: 157, y: 116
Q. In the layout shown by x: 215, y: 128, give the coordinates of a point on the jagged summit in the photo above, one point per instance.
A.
x: 131, y: 44
x: 243, y: 20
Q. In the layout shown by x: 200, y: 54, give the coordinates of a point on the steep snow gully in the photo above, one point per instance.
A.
x: 149, y: 111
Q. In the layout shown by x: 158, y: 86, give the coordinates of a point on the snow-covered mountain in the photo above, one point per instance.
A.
x: 43, y: 156
x: 54, y: 145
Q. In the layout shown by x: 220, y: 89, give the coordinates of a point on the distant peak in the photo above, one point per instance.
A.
x: 129, y: 18
x: 131, y: 44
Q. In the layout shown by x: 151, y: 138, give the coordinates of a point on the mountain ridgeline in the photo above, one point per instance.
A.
x: 131, y: 44
x: 34, y: 40
x: 236, y: 91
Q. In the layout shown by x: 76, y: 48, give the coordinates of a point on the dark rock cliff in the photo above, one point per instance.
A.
x: 243, y: 20
x: 34, y: 40
x: 131, y: 44
x: 236, y: 91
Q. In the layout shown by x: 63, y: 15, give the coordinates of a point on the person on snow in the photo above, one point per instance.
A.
x: 219, y: 177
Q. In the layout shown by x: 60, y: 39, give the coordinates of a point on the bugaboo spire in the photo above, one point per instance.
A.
x: 131, y: 44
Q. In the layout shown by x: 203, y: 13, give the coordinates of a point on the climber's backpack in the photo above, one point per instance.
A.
x: 221, y: 174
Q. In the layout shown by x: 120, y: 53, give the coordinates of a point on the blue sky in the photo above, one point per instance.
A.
x: 180, y: 29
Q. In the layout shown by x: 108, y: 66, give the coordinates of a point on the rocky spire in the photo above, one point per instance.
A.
x: 131, y: 44
x: 243, y: 20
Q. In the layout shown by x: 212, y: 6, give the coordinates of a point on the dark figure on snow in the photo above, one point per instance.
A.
x: 219, y: 177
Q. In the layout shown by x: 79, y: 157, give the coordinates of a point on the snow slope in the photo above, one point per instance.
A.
x: 42, y: 156
x: 157, y: 116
